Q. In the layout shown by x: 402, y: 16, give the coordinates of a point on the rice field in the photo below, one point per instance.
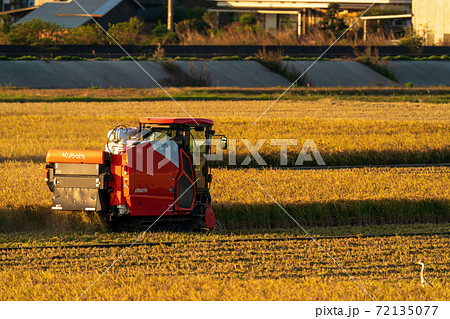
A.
x: 327, y: 202
x: 346, y: 133
x: 368, y: 196
x: 213, y: 270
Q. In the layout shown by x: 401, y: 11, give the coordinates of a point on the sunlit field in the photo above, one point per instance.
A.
x: 212, y: 270
x: 346, y: 133
x: 350, y: 201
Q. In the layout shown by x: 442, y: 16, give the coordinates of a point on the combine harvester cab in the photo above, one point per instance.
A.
x: 155, y: 171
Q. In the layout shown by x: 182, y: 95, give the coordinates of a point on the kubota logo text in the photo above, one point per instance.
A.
x: 73, y: 155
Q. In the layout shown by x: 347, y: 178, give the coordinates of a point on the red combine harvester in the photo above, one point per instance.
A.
x: 155, y: 171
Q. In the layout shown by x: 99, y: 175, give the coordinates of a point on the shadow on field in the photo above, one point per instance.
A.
x: 346, y: 158
x: 42, y: 219
x: 248, y: 217
x: 342, y: 158
x: 333, y: 213
x: 23, y: 159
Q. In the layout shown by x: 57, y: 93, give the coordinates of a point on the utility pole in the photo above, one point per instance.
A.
x: 169, y: 15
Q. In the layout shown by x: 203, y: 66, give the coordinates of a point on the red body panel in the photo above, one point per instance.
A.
x: 146, y: 180
x: 210, y: 219
x: 152, y: 178
x: 117, y: 170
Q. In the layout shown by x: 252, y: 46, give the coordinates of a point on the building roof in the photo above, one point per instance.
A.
x: 169, y: 120
x: 69, y: 14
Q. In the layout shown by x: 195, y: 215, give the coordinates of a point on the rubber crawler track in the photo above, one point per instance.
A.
x: 170, y: 243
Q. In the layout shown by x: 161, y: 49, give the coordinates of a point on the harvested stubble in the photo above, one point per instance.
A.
x: 288, y: 270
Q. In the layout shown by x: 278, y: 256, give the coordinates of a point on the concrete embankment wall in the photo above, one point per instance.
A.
x: 80, y: 74
x: 421, y: 73
x: 338, y: 73
x: 126, y: 74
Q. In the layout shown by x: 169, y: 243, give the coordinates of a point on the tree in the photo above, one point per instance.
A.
x: 412, y: 41
x: 191, y: 25
x: 210, y: 18
x: 36, y: 32
x: 6, y: 22
x: 195, y: 13
x: 85, y: 34
x: 331, y: 21
x: 248, y: 19
x: 129, y: 32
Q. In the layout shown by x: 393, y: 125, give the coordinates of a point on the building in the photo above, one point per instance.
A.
x: 431, y: 18
x: 13, y: 5
x: 302, y: 15
x: 8, y: 5
x: 68, y: 14
x: 17, y: 9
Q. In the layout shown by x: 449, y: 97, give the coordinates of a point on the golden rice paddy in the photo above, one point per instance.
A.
x: 358, y: 200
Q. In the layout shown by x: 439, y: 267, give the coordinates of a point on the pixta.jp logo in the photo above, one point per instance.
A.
x: 149, y: 157
x: 308, y: 153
